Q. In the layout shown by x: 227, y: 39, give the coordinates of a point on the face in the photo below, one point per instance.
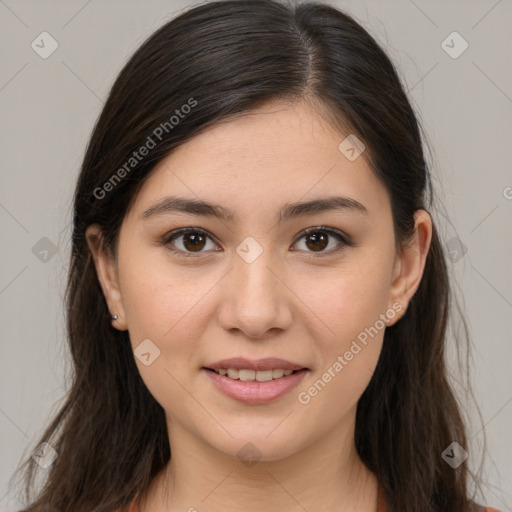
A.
x: 257, y: 286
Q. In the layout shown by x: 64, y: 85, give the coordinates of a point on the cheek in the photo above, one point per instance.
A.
x: 349, y: 299
x: 348, y: 353
x: 158, y: 295
x: 163, y: 306
x: 349, y: 310
x: 160, y: 308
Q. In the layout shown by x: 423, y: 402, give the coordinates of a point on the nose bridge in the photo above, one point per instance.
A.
x: 257, y: 300
x: 254, y: 278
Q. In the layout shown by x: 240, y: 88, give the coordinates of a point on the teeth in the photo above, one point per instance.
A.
x: 252, y: 375
x: 246, y: 374
x: 234, y: 374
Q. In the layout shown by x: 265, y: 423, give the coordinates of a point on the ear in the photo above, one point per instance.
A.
x: 106, y: 270
x: 410, y: 263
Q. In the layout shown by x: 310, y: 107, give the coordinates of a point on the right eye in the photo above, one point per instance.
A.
x: 192, y: 243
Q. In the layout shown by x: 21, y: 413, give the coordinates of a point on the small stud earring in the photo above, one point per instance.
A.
x: 114, y: 317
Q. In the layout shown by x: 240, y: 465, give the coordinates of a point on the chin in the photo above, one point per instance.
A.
x: 263, y: 445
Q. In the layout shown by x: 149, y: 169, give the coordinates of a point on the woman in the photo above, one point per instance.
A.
x: 258, y: 297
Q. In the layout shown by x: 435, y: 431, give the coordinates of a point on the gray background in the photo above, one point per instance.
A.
x: 48, y: 108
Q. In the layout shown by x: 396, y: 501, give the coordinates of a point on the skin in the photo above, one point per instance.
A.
x: 199, y: 310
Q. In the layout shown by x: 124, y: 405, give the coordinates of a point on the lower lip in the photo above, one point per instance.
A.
x: 254, y: 392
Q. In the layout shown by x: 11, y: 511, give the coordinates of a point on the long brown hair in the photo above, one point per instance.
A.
x: 223, y: 59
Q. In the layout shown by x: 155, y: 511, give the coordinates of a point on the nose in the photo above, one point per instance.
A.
x: 255, y: 298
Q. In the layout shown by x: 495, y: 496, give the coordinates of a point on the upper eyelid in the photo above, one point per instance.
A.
x: 183, y: 231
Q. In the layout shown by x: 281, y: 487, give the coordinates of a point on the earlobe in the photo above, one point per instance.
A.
x: 106, y: 271
x: 410, y: 264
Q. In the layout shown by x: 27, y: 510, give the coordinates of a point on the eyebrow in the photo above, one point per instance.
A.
x: 174, y: 204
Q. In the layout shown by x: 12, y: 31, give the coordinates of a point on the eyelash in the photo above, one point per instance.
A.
x: 344, y: 241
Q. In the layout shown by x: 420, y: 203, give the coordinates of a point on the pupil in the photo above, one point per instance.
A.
x: 322, y: 239
x: 194, y: 239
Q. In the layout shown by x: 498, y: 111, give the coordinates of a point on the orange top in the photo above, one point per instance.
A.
x: 381, y: 505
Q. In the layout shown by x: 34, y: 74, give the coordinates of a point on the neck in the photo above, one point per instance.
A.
x: 325, y: 476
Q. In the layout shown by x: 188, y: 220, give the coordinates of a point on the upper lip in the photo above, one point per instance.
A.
x: 240, y: 363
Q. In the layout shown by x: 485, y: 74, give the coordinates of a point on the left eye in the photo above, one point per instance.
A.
x: 318, y: 239
x: 194, y: 240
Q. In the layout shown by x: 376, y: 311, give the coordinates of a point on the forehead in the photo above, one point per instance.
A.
x: 279, y: 153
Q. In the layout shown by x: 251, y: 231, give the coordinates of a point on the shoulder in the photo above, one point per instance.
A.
x: 480, y: 508
x: 130, y: 507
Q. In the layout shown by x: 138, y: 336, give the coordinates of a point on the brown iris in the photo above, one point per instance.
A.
x: 194, y: 242
x: 320, y: 241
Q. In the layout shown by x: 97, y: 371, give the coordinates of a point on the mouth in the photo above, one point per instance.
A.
x: 248, y: 375
x: 254, y: 387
